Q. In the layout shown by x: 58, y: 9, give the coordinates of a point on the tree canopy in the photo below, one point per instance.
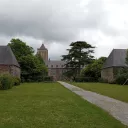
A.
x: 79, y: 55
x: 94, y: 69
x: 20, y: 48
x: 32, y: 66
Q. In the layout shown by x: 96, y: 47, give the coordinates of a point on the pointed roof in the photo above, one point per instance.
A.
x: 116, y: 59
x: 43, y: 47
x: 7, y: 57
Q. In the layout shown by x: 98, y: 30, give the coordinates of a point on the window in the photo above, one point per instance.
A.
x: 62, y: 66
x: 56, y: 66
x: 51, y: 66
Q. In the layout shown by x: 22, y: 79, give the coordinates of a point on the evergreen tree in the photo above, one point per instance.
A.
x: 79, y: 55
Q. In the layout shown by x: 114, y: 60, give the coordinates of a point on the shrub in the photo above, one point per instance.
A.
x: 16, y: 81
x: 120, y: 79
x: 85, y: 79
x: 101, y: 80
x: 122, y: 76
x: 6, y: 81
x: 48, y: 78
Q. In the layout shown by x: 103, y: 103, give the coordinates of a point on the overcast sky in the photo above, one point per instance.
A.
x: 57, y: 23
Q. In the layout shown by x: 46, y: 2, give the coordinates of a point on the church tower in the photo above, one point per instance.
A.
x: 43, y: 52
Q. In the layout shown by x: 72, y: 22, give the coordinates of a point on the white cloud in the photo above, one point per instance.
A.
x: 103, y: 23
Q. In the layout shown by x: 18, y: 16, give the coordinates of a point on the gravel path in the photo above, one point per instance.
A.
x: 116, y: 108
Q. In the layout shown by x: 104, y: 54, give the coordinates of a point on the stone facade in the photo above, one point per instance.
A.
x: 12, y: 70
x: 56, y: 73
x: 55, y: 67
x: 8, y: 62
x: 108, y: 74
x: 43, y: 52
x: 4, y: 69
x: 15, y: 71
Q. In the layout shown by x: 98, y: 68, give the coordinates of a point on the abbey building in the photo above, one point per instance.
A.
x: 55, y: 67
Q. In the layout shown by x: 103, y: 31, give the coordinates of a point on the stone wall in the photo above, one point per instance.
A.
x: 43, y: 54
x: 4, y: 69
x: 108, y: 74
x: 57, y: 73
x: 13, y: 70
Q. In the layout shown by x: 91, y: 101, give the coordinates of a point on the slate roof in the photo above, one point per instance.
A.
x: 42, y: 47
x: 116, y: 59
x: 7, y: 57
x: 55, y: 64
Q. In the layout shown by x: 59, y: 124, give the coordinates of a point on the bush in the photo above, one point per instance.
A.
x: 48, y: 78
x: 85, y: 79
x: 16, y: 81
x: 101, y: 80
x: 122, y: 76
x: 6, y: 82
x: 121, y: 79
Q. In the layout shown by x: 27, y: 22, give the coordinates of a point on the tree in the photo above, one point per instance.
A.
x: 122, y: 73
x: 32, y: 66
x: 79, y: 55
x: 40, y: 58
x: 126, y: 59
x: 94, y: 69
x: 20, y: 48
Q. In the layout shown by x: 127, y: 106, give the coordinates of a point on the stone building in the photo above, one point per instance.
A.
x: 115, y: 61
x: 43, y: 52
x: 55, y: 67
x: 8, y: 62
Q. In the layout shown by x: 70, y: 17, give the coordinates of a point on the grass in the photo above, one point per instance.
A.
x: 50, y: 105
x: 112, y: 90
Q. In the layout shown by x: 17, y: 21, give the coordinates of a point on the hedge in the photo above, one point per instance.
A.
x: 85, y: 79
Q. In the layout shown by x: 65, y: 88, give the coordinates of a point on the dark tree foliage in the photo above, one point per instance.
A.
x: 32, y: 67
x: 40, y: 58
x: 79, y: 55
x: 20, y: 48
x: 127, y: 57
x: 122, y: 74
x: 94, y: 69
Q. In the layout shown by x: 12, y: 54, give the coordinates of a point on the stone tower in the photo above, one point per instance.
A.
x: 43, y: 52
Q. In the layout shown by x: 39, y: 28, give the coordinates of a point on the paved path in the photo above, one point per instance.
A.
x: 116, y: 108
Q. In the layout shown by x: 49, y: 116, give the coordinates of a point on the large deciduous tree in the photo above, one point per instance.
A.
x: 79, y: 55
x: 32, y: 66
x: 94, y: 69
x: 20, y: 48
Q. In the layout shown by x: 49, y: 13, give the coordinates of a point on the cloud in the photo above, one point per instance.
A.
x: 103, y: 23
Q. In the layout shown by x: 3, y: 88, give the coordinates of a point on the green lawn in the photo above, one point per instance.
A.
x: 115, y: 91
x: 50, y: 105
